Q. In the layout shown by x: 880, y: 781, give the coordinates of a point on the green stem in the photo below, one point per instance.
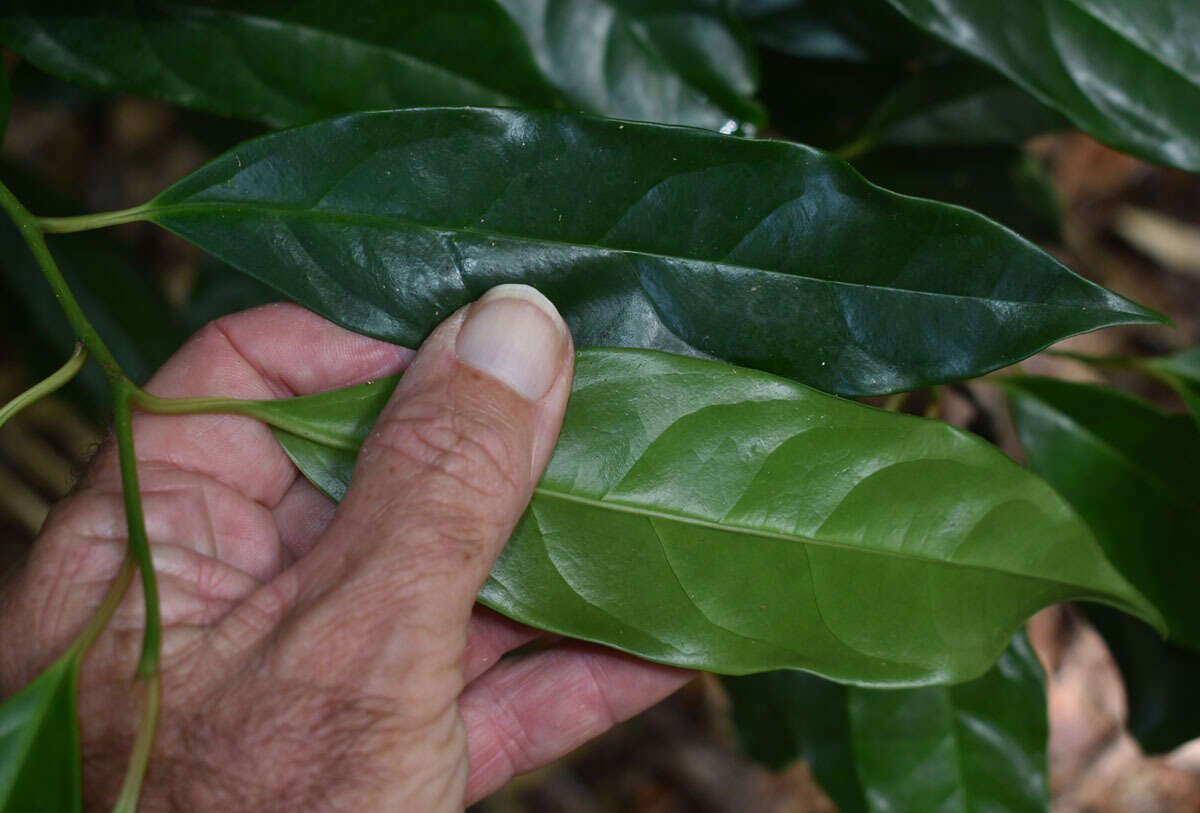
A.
x: 122, y: 390
x: 139, y: 544
x: 28, y: 226
x: 265, y: 411
x: 63, y: 225
x: 131, y: 788
x: 108, y: 606
x: 46, y: 386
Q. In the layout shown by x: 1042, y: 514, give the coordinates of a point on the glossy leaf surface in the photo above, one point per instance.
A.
x: 1182, y: 371
x: 979, y: 745
x: 958, y: 103
x: 669, y: 61
x: 721, y: 518
x: 1130, y: 471
x: 39, y: 743
x: 1160, y: 681
x: 1128, y: 73
x: 838, y: 30
x: 767, y: 254
x: 288, y: 63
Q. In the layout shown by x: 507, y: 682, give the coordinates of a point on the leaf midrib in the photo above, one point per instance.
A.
x: 649, y: 513
x: 152, y: 212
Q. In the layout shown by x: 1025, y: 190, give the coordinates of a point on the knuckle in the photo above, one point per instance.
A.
x: 466, y: 470
x: 468, y: 451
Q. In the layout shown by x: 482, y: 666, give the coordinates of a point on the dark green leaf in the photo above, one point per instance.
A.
x: 1131, y: 471
x: 787, y: 715
x: 1128, y: 73
x: 114, y: 291
x: 958, y: 104
x: 979, y: 745
x: 724, y: 519
x: 838, y: 30
x: 670, y: 61
x: 1002, y: 182
x: 767, y: 254
x: 677, y: 61
x: 1182, y: 371
x: 39, y: 744
x: 1160, y: 681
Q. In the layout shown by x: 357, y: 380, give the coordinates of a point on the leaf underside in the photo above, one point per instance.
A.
x: 724, y: 519
x: 766, y: 254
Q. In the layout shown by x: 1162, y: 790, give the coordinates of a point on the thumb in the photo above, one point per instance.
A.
x: 444, y: 477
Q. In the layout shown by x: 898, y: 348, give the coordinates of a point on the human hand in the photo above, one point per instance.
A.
x: 319, y: 656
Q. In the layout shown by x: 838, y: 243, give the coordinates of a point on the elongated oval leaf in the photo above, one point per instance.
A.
x: 767, y: 254
x: 979, y: 745
x: 724, y: 519
x: 39, y: 743
x: 287, y: 63
x: 1128, y: 73
x: 1131, y: 471
x: 291, y: 63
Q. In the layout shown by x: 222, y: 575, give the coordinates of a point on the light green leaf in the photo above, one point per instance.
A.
x: 39, y: 743
x: 724, y: 519
x: 980, y: 745
x: 767, y: 254
x: 1128, y: 73
x: 680, y: 61
x: 1131, y: 471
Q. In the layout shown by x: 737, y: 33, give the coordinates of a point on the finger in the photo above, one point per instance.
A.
x: 489, y: 637
x: 527, y: 712
x: 440, y: 484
